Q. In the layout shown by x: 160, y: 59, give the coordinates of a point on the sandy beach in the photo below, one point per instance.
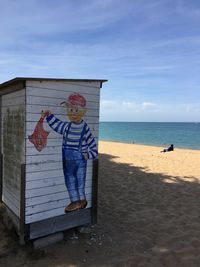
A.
x: 148, y: 214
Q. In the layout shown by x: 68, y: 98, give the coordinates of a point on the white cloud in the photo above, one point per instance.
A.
x: 128, y: 104
x: 109, y: 104
x: 193, y: 108
x: 149, y: 111
x: 127, y: 107
x: 148, y: 104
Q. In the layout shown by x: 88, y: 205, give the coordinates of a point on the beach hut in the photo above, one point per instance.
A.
x: 49, y: 163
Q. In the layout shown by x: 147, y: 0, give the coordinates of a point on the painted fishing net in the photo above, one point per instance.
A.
x: 39, y: 136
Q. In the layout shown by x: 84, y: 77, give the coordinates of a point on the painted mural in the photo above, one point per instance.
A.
x: 78, y: 146
x: 39, y: 136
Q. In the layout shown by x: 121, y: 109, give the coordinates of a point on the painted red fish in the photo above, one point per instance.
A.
x: 39, y: 136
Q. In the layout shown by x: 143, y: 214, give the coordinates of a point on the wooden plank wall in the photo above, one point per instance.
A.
x: 46, y: 194
x: 1, y: 156
x: 13, y: 147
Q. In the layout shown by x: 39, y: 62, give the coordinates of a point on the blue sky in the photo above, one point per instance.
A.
x: 149, y: 50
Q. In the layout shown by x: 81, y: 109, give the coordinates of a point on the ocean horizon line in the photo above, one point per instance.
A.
x: 195, y: 122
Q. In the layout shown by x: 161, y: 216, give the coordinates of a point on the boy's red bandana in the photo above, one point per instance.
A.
x: 76, y: 99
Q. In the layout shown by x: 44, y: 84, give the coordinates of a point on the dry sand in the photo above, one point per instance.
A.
x: 149, y: 214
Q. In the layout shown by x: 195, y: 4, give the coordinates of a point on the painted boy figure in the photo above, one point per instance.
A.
x: 78, y: 146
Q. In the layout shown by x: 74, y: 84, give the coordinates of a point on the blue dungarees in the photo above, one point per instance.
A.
x: 74, y: 168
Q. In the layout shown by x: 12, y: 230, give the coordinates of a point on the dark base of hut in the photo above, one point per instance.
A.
x: 60, y: 223
x: 46, y: 227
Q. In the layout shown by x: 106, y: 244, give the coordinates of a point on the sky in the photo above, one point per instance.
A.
x: 149, y: 50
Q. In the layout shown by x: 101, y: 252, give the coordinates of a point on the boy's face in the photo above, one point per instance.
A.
x: 75, y: 113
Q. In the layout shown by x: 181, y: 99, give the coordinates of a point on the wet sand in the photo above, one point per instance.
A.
x: 148, y: 214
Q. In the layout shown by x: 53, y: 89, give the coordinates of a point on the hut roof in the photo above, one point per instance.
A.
x: 24, y: 79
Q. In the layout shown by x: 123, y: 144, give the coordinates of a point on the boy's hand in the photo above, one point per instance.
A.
x: 86, y: 157
x: 45, y: 113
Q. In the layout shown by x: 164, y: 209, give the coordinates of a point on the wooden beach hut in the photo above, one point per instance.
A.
x: 33, y: 183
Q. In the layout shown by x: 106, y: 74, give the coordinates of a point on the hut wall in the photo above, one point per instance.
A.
x: 13, y: 147
x: 46, y: 193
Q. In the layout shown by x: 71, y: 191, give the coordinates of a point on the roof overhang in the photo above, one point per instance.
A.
x: 24, y: 79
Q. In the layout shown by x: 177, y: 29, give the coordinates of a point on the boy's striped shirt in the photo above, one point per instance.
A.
x: 72, y: 135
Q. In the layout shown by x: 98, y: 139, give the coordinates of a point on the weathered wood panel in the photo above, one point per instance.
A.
x: 1, y: 156
x: 48, y: 166
x: 12, y: 193
x: 50, y: 102
x: 46, y: 194
x: 49, y: 198
x: 90, y: 87
x: 31, y: 125
x: 48, y: 182
x: 17, y: 97
x: 34, y: 209
x: 46, y: 92
x: 47, y: 176
x: 53, y: 141
x: 47, y: 214
x: 13, y: 147
x: 60, y: 223
x: 10, y: 88
x: 13, y: 205
x: 54, y: 188
x: 54, y: 149
x: 59, y: 111
x: 54, y: 137
x: 35, y: 159
x: 89, y: 119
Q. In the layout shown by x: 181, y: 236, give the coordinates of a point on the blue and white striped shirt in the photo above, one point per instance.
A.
x: 72, y: 135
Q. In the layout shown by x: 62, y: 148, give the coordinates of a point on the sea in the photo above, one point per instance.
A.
x: 181, y: 135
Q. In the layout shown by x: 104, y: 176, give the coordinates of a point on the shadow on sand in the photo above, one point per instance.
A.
x: 144, y: 219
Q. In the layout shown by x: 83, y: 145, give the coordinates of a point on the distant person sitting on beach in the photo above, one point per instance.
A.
x: 170, y: 148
